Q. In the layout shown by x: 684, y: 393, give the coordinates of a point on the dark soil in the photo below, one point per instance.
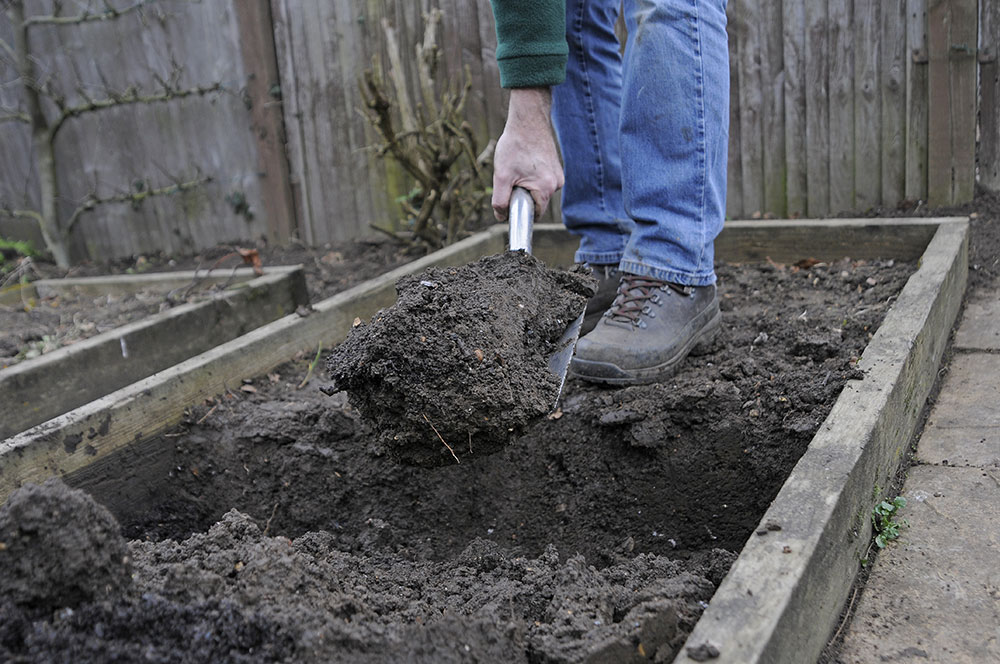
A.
x: 462, y: 356
x: 599, y: 535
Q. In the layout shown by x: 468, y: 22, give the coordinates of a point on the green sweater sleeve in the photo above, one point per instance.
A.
x: 531, y: 42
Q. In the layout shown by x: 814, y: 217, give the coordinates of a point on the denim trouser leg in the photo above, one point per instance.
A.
x: 586, y: 116
x: 673, y: 131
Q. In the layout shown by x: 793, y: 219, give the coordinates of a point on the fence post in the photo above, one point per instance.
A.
x: 989, y: 95
x: 952, y: 37
x: 263, y: 95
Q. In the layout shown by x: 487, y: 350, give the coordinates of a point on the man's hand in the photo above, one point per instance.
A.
x: 526, y: 154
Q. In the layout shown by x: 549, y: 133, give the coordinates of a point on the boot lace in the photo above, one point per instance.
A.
x: 633, y: 294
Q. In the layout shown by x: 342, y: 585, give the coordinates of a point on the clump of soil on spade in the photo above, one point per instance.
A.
x: 459, y: 364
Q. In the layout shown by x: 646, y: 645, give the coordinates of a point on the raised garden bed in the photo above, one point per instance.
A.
x: 193, y: 319
x: 455, y: 564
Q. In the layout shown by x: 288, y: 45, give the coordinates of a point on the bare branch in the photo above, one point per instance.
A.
x: 12, y: 115
x: 127, y: 98
x: 108, y: 13
x: 22, y: 214
x: 9, y: 50
x: 135, y: 198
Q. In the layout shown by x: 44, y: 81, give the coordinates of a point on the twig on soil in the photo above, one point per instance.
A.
x: 205, y: 416
x: 442, y: 439
x: 267, y: 526
x: 847, y: 616
x: 312, y: 366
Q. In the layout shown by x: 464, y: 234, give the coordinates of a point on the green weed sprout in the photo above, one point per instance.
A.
x: 884, y: 520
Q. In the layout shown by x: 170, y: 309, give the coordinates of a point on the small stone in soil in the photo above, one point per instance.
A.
x: 459, y: 365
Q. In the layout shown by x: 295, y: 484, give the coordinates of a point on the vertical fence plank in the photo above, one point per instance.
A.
x: 734, y: 194
x: 952, y: 37
x: 291, y: 102
x: 772, y: 110
x: 915, y: 157
x: 492, y: 94
x: 794, y: 30
x: 893, y: 93
x: 989, y: 95
x: 257, y: 49
x: 467, y: 18
x: 817, y: 72
x: 363, y: 171
x: 939, y: 116
x: 841, y: 100
x: 964, y: 70
x: 329, y: 115
x: 867, y: 111
x: 751, y: 106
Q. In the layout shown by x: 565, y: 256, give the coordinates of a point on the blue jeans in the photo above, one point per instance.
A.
x: 644, y: 139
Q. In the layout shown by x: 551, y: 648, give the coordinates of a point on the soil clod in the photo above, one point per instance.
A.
x: 460, y: 362
x: 60, y: 548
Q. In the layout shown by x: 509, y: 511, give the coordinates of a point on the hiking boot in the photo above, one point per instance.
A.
x: 650, y: 328
x: 608, y: 278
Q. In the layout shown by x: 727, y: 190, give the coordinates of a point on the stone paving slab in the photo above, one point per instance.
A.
x: 980, y: 328
x: 934, y: 595
x: 964, y: 425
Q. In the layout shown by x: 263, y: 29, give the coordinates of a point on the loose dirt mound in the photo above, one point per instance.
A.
x: 459, y: 365
x: 59, y: 548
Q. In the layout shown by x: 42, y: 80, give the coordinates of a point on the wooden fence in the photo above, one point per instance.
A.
x: 837, y: 106
x: 133, y: 146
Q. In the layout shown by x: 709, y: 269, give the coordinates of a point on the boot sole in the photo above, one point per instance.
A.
x: 611, y: 374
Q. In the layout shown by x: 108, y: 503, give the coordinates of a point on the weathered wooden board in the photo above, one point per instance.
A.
x: 37, y: 390
x: 951, y: 43
x: 734, y: 194
x: 817, y: 68
x: 989, y: 94
x: 841, y: 105
x: 772, y: 71
x: 867, y: 113
x: 784, y: 595
x: 788, y: 241
x: 158, y: 282
x: 892, y: 88
x: 916, y: 100
x: 796, y: 101
x: 263, y: 90
x: 748, y: 25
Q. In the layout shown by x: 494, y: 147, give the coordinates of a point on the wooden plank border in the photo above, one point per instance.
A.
x: 783, y: 596
x: 161, y: 282
x: 788, y: 241
x: 37, y: 390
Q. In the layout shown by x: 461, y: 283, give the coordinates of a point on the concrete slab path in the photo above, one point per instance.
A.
x: 934, y: 595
